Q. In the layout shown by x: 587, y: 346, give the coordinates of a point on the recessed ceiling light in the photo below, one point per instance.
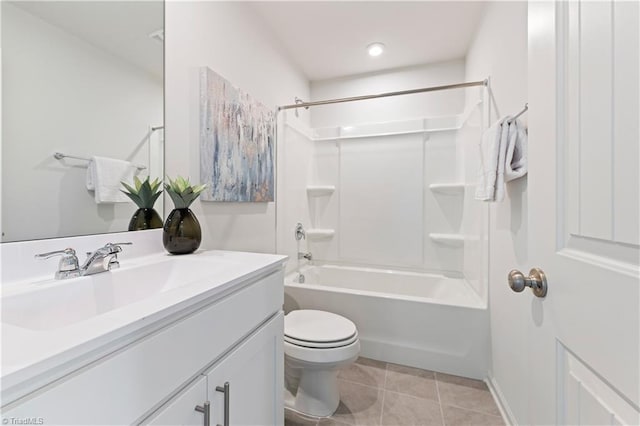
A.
x: 375, y: 49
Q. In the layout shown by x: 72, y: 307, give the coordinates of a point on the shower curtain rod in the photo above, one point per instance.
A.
x: 384, y: 95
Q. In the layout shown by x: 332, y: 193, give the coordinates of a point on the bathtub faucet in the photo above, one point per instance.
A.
x: 307, y: 256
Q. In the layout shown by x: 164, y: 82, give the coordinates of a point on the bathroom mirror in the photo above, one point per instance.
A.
x: 82, y: 79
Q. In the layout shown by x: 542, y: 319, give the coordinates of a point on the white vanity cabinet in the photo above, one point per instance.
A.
x: 250, y: 372
x: 243, y: 388
x: 176, y: 363
x: 181, y: 409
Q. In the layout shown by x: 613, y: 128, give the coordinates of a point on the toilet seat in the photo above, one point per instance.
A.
x: 321, y: 345
x: 319, y: 336
x: 318, y: 329
x: 320, y: 358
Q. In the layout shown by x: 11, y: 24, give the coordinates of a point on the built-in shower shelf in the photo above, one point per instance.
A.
x: 453, y: 240
x: 319, y: 190
x: 320, y: 234
x: 448, y: 188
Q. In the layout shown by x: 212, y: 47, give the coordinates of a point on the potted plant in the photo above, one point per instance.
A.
x: 144, y: 193
x: 181, y: 232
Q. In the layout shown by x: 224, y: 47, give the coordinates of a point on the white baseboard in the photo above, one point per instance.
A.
x: 501, y: 402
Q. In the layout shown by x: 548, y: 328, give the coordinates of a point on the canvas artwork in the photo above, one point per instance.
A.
x: 236, y: 143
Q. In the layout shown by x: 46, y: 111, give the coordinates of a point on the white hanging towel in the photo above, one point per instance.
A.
x: 490, y: 153
x: 104, y: 177
x: 516, y: 161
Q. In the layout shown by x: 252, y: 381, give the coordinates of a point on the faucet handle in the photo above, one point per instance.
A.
x: 115, y: 247
x: 66, y: 252
x: 68, y: 266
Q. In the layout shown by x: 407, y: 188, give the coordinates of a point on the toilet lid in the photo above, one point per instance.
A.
x: 319, y: 345
x: 318, y: 328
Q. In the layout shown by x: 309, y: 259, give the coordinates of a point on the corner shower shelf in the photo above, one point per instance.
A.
x: 453, y: 240
x: 448, y: 188
x: 320, y: 234
x: 318, y: 190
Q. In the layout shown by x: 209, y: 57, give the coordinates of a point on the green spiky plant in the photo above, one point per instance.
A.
x: 143, y: 192
x: 182, y: 192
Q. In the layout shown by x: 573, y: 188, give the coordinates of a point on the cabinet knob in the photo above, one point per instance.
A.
x: 206, y: 410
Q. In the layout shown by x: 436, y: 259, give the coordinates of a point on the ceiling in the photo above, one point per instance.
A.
x: 328, y: 39
x: 121, y: 28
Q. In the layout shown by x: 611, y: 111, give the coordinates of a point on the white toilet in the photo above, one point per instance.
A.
x: 316, y: 345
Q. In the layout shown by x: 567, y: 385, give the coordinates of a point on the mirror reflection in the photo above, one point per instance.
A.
x: 79, y: 80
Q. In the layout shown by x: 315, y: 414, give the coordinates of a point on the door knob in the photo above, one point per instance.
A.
x: 537, y: 280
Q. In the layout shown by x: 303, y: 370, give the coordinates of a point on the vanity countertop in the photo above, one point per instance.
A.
x: 39, y: 352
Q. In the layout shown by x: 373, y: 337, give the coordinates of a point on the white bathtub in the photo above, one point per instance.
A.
x: 423, y: 320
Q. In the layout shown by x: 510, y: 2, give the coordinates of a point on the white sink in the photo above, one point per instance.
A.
x: 56, y: 304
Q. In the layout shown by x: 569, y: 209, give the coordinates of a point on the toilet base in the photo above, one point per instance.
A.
x: 312, y: 389
x: 317, y: 394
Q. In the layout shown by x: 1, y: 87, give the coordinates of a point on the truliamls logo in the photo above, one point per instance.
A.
x: 23, y: 421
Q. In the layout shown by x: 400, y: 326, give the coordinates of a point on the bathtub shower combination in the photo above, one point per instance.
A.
x: 423, y: 320
x: 381, y: 227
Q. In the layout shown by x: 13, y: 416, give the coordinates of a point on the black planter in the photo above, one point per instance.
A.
x: 181, y: 232
x: 145, y: 219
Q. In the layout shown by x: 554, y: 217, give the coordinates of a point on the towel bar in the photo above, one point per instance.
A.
x: 60, y: 156
x: 525, y: 109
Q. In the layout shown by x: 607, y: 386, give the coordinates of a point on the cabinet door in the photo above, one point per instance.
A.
x: 181, y: 410
x: 255, y: 373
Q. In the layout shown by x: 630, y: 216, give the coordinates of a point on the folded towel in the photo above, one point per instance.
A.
x: 516, y: 160
x: 503, y: 158
x: 498, y: 194
x: 104, y: 177
x: 489, y: 157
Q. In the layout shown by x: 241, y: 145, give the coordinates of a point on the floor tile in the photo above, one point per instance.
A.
x: 366, y: 372
x: 332, y: 422
x: 466, y: 393
x: 454, y: 416
x: 411, y: 381
x: 400, y: 410
x: 359, y: 404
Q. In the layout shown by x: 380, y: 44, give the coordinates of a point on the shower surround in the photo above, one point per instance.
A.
x: 398, y: 244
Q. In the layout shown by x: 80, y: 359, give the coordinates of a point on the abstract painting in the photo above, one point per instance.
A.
x: 236, y: 143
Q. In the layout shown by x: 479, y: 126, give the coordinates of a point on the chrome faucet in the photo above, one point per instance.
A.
x: 68, y: 266
x: 307, y: 256
x: 102, y: 260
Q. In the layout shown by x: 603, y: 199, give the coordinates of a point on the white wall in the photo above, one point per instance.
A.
x: 500, y: 51
x: 382, y: 210
x: 295, y: 171
x: 230, y: 39
x: 51, y: 83
x: 474, y: 219
x: 392, y: 108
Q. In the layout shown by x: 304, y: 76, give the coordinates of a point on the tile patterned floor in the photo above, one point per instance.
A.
x: 380, y: 393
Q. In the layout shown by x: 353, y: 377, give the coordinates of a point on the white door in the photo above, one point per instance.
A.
x: 254, y: 374
x: 181, y: 410
x: 583, y: 199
